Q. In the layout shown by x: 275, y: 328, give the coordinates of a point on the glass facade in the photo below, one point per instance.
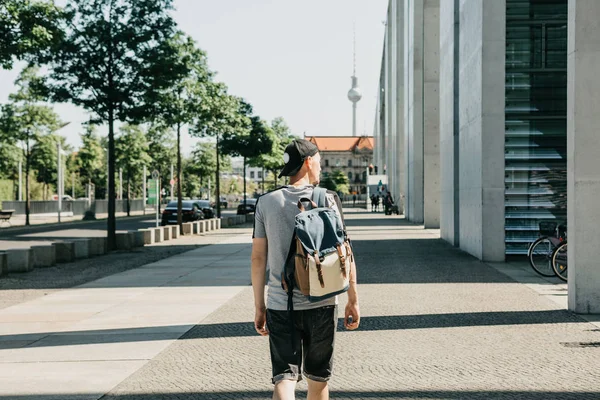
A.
x: 536, y: 126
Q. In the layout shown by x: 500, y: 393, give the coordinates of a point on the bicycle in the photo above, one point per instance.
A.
x: 560, y: 261
x: 541, y: 252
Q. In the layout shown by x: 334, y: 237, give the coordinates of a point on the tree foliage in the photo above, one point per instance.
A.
x: 90, y: 160
x: 131, y: 150
x: 114, y: 60
x: 336, y: 181
x: 44, y: 160
x: 25, y: 119
x: 27, y: 27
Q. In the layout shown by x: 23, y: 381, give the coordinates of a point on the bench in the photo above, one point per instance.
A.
x: 5, y: 216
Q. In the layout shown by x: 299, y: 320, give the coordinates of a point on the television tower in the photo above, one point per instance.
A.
x: 354, y: 94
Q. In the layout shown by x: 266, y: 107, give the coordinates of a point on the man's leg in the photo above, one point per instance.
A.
x: 284, y: 390
x: 317, y: 390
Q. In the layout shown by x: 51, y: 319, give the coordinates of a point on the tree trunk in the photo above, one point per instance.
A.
x: 244, y: 182
x: 179, y: 200
x: 218, y: 182
x: 112, y: 221
x: 27, y: 201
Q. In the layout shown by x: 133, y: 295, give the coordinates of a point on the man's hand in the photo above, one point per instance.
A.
x: 352, y: 311
x: 260, y: 321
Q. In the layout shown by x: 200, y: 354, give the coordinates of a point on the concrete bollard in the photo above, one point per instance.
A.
x: 212, y: 224
x: 167, y: 233
x: 19, y: 260
x: 124, y: 241
x: 148, y: 235
x: 65, y: 251
x: 196, y: 228
x: 43, y: 256
x: 159, y: 235
x: 202, y: 226
x: 137, y: 238
x: 218, y: 223
x: 188, y: 228
x: 3, y: 263
x: 175, y: 232
x: 82, y: 248
x: 98, y: 246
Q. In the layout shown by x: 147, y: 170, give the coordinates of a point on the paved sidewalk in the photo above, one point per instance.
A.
x: 437, y: 324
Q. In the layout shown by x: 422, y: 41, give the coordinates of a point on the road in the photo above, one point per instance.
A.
x: 24, y: 237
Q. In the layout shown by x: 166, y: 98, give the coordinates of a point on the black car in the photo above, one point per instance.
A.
x: 208, y: 211
x: 246, y: 208
x: 191, y: 211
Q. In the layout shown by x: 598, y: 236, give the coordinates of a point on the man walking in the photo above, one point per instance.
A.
x: 314, y: 323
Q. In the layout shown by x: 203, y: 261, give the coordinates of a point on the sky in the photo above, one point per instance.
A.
x: 288, y: 59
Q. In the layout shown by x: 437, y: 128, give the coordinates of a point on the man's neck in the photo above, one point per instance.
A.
x: 304, y: 181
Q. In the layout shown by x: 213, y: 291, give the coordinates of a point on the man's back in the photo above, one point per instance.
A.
x: 274, y: 219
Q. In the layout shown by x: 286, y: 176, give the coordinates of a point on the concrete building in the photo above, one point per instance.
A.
x: 352, y: 155
x: 253, y: 174
x: 485, y: 125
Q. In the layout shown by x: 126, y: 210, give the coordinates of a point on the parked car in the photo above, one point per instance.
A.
x: 246, y: 208
x: 223, y: 203
x: 208, y: 211
x: 191, y: 211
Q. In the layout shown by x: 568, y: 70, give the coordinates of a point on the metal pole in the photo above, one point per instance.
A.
x: 20, y: 180
x: 73, y: 185
x: 144, y: 190
x: 107, y: 174
x: 209, y: 190
x: 172, y: 198
x: 157, y: 200
x: 58, y: 185
x: 120, y: 183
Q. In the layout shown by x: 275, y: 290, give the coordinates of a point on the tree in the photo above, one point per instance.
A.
x: 27, y: 27
x: 132, y: 155
x: 162, y: 149
x: 24, y: 120
x: 44, y: 159
x: 218, y: 116
x: 249, y: 142
x: 179, y: 104
x: 89, y: 161
x: 337, y: 181
x: 114, y: 59
x: 272, y: 161
x: 10, y: 155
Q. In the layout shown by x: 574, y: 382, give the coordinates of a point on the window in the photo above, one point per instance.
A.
x: 350, y: 176
x: 536, y: 123
x: 327, y: 163
x: 259, y: 174
x: 251, y: 174
x: 350, y: 162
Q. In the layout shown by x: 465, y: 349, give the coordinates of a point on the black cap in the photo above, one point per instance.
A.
x: 295, y: 154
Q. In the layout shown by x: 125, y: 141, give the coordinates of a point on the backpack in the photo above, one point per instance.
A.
x: 320, y: 255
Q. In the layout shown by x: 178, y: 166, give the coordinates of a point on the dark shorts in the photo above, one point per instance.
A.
x: 314, y: 338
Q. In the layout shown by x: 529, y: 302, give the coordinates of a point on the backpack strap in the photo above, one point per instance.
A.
x: 319, y: 197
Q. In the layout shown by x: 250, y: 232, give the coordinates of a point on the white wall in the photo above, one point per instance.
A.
x: 583, y: 147
x: 481, y: 109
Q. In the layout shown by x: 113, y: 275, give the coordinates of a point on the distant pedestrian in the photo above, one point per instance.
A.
x: 373, y: 203
x: 314, y: 323
x: 377, y: 200
x: 354, y: 200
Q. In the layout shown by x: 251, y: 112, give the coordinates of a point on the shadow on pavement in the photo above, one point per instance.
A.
x: 245, y: 329
x: 341, y: 394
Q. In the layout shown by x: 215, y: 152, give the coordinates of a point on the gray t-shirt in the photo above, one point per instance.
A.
x: 274, y: 219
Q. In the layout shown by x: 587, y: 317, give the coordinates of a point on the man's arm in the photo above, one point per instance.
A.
x: 352, y: 308
x: 259, y: 269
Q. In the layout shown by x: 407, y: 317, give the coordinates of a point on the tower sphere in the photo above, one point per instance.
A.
x: 354, y: 94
